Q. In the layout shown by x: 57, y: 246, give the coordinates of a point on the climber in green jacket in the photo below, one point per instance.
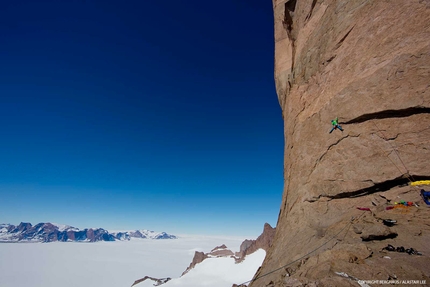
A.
x: 336, y: 125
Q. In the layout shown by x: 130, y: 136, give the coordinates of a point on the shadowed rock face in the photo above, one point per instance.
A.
x: 368, y: 63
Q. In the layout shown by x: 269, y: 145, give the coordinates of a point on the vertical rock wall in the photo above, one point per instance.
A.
x: 368, y: 63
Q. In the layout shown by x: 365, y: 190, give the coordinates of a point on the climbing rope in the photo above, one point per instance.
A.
x: 410, y: 177
x: 388, y: 156
x: 307, y: 254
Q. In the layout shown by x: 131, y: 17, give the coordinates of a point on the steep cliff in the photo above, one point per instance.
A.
x: 368, y: 63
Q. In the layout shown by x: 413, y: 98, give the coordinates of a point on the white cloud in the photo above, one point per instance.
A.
x: 108, y: 264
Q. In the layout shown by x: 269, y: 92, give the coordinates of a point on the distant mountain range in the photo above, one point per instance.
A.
x: 49, y: 232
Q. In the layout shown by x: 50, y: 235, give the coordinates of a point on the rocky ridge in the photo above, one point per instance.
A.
x: 219, y: 251
x: 246, y: 248
x: 368, y: 63
x: 155, y: 281
x: 264, y: 241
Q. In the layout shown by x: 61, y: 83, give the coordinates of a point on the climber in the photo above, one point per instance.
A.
x: 335, y: 125
x: 426, y: 196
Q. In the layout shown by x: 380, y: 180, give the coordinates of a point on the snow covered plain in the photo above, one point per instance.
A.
x: 120, y: 263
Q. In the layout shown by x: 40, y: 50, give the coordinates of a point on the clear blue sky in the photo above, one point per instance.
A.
x: 140, y: 114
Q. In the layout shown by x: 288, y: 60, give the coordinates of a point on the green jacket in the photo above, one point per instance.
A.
x: 335, y: 122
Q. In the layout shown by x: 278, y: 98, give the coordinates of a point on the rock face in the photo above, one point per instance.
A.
x: 368, y: 63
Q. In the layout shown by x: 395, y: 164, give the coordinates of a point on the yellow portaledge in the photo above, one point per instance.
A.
x: 420, y: 182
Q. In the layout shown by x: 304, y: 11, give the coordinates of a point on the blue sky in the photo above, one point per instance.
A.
x: 140, y: 114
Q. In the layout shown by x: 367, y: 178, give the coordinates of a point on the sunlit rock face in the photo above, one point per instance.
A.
x: 367, y: 63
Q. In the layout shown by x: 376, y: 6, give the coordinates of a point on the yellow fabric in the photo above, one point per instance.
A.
x: 420, y: 182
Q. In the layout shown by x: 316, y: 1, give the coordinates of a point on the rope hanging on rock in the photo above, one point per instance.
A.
x: 409, y: 176
x: 394, y: 149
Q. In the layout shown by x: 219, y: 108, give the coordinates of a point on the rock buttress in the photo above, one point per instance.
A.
x: 368, y: 63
